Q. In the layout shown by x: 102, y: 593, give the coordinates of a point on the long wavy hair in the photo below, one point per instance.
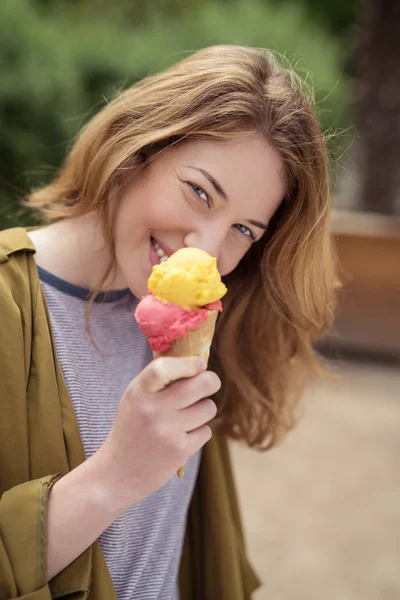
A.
x: 282, y: 294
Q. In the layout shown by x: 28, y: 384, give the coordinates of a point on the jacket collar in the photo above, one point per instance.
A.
x: 14, y: 240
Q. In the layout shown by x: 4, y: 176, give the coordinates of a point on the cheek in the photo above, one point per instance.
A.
x: 229, y: 259
x: 164, y: 211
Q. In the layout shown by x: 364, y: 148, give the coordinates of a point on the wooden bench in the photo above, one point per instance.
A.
x: 368, y: 315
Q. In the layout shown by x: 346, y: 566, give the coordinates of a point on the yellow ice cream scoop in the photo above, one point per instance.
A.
x: 189, y: 278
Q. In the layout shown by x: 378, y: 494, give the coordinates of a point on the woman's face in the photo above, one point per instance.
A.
x: 217, y: 196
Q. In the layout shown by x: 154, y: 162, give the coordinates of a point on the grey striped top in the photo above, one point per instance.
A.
x: 143, y: 546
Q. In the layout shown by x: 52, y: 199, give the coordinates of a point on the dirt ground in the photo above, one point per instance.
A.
x: 322, y: 510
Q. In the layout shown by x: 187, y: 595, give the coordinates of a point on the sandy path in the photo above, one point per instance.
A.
x: 322, y: 510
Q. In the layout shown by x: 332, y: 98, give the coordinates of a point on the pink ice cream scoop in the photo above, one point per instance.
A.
x: 164, y: 322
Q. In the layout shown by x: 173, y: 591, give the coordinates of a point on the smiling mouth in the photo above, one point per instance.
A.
x: 160, y: 252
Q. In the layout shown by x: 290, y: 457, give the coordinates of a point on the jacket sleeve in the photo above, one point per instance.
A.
x: 23, y: 562
x: 23, y: 547
x: 25, y: 483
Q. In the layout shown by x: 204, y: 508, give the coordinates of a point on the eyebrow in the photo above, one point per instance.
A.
x: 220, y: 190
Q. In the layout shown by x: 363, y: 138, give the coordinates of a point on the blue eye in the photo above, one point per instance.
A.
x: 195, y: 187
x: 207, y: 200
x: 245, y: 230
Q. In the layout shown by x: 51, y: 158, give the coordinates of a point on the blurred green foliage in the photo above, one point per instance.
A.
x: 61, y: 61
x: 338, y: 17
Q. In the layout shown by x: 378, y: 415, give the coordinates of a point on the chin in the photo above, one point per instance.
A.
x: 139, y: 289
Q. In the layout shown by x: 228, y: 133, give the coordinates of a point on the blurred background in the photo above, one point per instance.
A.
x: 321, y: 510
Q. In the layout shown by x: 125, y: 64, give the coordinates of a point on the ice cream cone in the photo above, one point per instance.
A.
x: 197, y: 342
x: 183, y: 299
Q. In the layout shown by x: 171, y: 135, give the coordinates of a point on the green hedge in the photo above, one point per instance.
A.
x: 60, y: 66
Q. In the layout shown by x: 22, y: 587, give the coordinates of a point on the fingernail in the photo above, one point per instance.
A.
x: 201, y: 364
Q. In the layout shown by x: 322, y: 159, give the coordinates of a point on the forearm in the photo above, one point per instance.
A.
x: 79, y: 510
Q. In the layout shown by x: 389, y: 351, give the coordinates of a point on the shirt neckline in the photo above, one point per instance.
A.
x: 79, y: 292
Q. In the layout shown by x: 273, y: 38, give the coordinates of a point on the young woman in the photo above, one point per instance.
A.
x: 220, y: 152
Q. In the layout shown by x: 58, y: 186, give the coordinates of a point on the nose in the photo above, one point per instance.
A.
x: 208, y: 240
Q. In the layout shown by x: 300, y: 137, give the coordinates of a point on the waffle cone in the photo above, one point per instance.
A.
x: 197, y: 342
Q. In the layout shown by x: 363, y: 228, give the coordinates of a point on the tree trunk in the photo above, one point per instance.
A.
x: 378, y: 105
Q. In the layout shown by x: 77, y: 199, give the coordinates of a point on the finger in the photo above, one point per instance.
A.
x: 182, y: 394
x: 198, y: 414
x: 163, y: 371
x: 197, y: 439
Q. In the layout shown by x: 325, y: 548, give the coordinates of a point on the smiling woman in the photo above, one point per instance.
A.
x: 212, y: 205
x: 221, y: 152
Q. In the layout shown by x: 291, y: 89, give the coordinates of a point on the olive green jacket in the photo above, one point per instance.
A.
x: 40, y: 442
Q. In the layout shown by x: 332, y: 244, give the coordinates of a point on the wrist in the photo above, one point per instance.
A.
x: 92, y: 487
x: 101, y: 485
x: 108, y: 486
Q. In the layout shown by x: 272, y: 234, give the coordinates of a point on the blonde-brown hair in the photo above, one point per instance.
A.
x: 281, y: 295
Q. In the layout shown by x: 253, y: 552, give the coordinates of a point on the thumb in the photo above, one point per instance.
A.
x: 163, y: 371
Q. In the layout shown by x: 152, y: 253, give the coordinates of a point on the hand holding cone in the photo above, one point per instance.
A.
x: 179, y: 314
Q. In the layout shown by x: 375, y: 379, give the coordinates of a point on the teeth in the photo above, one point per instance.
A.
x: 161, y: 254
